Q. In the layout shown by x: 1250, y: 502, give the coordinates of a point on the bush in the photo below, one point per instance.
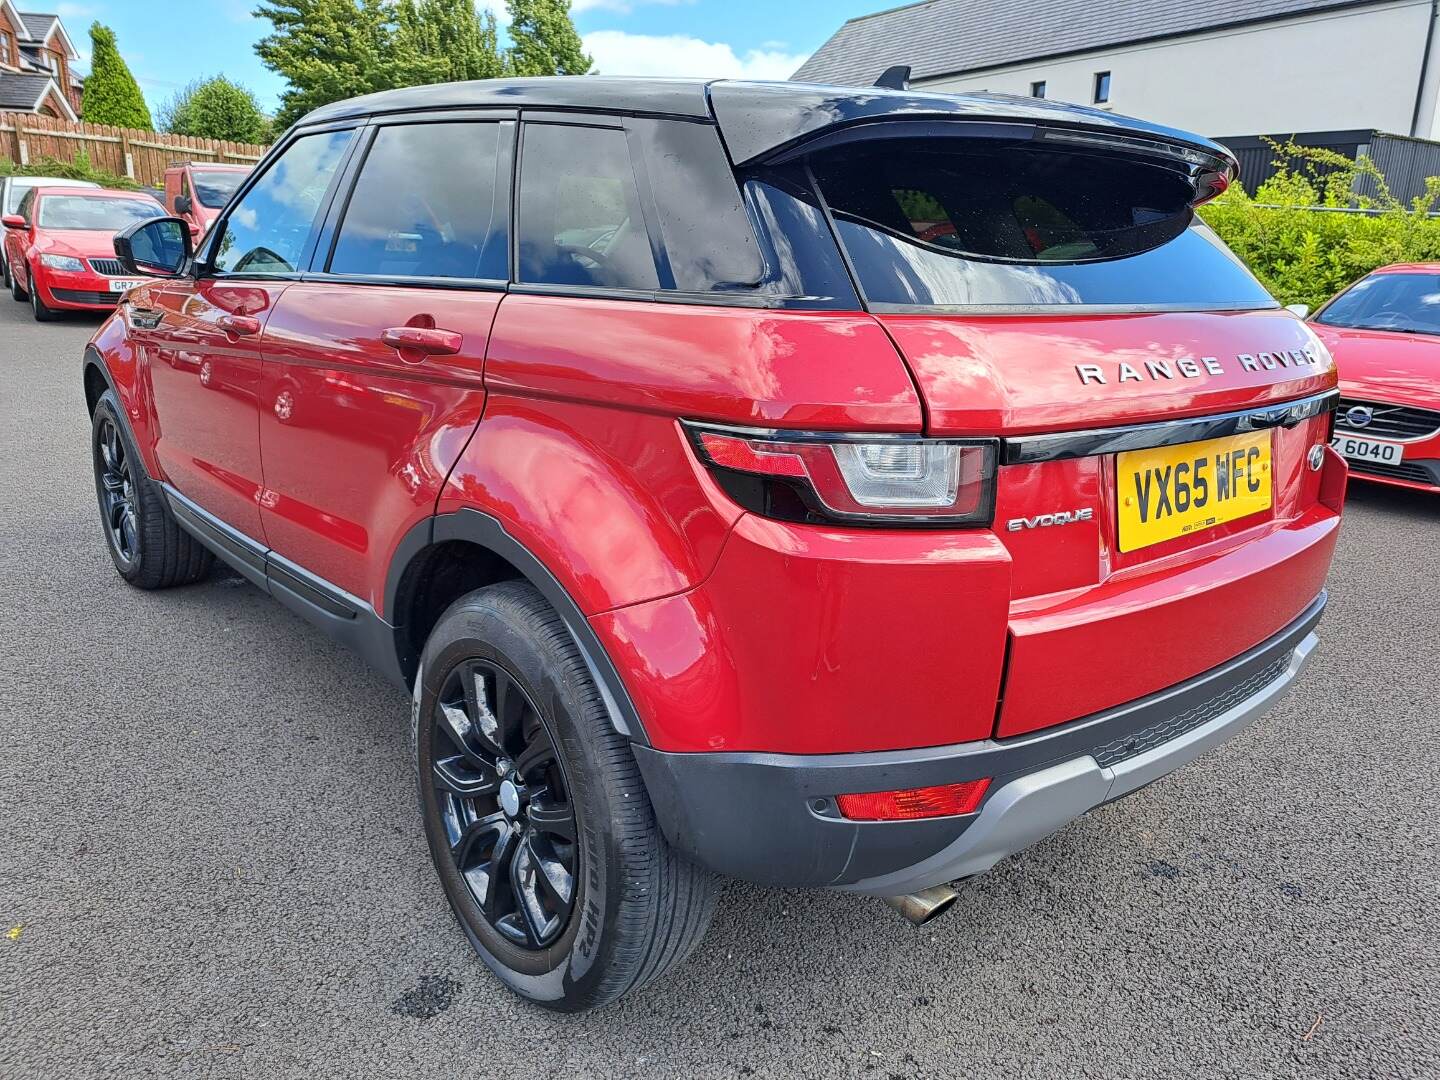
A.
x: 1305, y: 255
x: 216, y: 108
x: 79, y: 169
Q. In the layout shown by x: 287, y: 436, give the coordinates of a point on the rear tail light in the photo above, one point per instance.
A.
x: 943, y: 800
x: 867, y: 479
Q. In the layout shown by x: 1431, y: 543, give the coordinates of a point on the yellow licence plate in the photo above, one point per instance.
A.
x: 1178, y: 490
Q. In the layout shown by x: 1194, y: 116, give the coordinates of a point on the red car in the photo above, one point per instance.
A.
x: 60, y: 247
x: 722, y: 513
x: 1384, y: 332
x: 197, y: 191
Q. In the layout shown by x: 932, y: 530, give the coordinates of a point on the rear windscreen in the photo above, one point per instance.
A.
x: 966, y: 223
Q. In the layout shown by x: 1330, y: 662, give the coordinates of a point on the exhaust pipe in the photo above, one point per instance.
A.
x: 920, y: 907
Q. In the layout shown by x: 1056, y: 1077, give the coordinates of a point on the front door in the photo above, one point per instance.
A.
x: 204, y: 345
x: 372, y: 367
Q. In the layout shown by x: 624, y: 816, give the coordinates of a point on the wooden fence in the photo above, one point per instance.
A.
x: 141, y: 155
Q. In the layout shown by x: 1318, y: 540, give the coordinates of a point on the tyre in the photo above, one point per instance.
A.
x: 538, y: 822
x: 148, y: 547
x: 16, y: 293
x: 38, y: 307
x: 5, y: 273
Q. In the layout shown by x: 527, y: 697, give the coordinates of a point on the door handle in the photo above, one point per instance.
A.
x: 414, y: 343
x: 239, y: 325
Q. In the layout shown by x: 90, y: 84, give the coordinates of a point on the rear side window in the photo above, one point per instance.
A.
x: 579, y: 216
x: 267, y: 231
x: 431, y: 201
x: 965, y: 222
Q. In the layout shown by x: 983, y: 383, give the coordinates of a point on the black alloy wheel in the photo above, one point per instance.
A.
x: 117, y: 493
x: 505, y: 804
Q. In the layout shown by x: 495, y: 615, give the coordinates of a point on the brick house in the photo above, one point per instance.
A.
x: 36, y: 58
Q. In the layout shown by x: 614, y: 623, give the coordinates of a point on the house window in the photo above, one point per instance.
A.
x: 6, y: 49
x: 1102, y: 87
x: 1037, y: 89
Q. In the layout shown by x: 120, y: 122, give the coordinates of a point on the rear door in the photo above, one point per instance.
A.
x: 201, y: 335
x: 373, y: 364
x: 1159, y: 409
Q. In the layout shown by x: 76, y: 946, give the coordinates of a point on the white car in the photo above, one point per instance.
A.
x: 12, y: 190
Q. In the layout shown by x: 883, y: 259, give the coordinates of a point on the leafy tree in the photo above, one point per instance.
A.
x: 216, y: 108
x: 544, y: 40
x: 329, y: 50
x: 459, y: 42
x: 112, y: 96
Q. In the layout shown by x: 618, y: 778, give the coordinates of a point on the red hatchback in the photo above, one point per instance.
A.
x: 820, y: 486
x: 1384, y: 332
x: 60, y: 247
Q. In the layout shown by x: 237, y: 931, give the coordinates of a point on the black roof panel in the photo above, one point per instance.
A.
x: 671, y: 97
x: 757, y: 119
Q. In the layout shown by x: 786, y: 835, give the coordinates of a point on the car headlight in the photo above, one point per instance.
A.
x: 62, y: 262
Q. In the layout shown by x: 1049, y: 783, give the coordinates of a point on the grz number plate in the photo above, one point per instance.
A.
x: 1174, y: 491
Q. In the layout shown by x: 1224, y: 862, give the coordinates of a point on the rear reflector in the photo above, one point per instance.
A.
x: 943, y: 800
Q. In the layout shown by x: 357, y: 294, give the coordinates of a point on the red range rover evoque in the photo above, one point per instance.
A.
x: 819, y: 486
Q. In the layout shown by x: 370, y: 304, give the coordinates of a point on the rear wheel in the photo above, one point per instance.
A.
x: 148, y: 547
x: 38, y: 307
x: 538, y: 821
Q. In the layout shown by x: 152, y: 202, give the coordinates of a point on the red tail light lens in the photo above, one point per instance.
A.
x: 943, y: 800
x: 864, y: 478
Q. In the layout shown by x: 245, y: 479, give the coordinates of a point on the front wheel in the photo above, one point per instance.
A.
x: 538, y: 821
x: 148, y: 547
x: 16, y: 293
x: 42, y: 311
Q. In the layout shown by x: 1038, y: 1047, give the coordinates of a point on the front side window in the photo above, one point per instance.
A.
x: 268, y: 231
x: 99, y: 215
x: 971, y: 222
x: 1406, y: 303
x: 431, y: 201
x: 579, y: 211
x: 213, y: 189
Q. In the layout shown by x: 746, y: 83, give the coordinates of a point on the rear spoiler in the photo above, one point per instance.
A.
x: 767, y: 124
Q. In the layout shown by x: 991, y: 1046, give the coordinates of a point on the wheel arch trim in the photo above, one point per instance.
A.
x: 483, y: 530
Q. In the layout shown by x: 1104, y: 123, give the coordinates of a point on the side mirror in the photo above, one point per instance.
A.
x: 13, y: 221
x: 1301, y: 311
x: 183, y: 205
x: 158, y: 247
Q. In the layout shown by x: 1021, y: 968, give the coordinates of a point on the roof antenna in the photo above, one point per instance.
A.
x: 895, y: 78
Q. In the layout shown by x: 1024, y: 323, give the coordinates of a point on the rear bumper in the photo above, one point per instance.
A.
x: 771, y: 818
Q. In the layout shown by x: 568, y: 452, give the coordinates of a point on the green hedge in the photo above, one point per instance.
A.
x: 1304, y: 255
x: 79, y: 169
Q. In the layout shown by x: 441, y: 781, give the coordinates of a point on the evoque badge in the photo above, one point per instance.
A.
x: 1045, y: 521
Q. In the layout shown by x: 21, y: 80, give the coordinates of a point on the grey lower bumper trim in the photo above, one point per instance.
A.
x: 1032, y: 807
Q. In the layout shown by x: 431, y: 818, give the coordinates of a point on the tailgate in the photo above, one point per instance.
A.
x: 1125, y: 577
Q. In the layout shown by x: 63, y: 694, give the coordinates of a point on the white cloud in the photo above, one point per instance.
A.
x: 617, y: 53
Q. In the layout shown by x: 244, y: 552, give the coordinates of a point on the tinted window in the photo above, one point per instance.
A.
x: 101, y: 215
x: 960, y: 222
x: 579, y: 211
x: 709, y: 242
x: 267, y: 230
x: 1405, y: 302
x: 431, y: 201
x: 214, y: 189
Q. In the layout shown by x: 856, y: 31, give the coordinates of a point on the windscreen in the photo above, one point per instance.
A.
x: 107, y: 215
x: 1407, y: 303
x: 970, y: 222
x: 213, y: 189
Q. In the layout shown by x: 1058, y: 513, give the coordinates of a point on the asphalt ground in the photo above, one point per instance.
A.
x: 211, y: 862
